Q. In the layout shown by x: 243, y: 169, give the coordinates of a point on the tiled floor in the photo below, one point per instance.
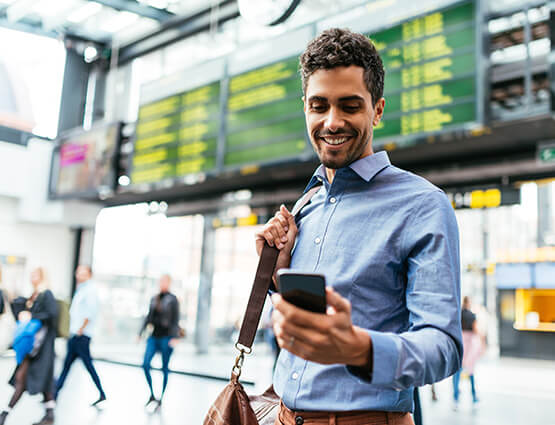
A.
x: 511, y: 391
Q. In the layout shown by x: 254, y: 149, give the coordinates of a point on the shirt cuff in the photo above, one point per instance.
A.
x: 364, y: 372
x: 384, y: 360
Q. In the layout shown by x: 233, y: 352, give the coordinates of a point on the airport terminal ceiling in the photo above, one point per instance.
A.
x: 461, y: 94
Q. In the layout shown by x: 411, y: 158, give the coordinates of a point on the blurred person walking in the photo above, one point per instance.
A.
x: 83, y: 314
x: 472, y: 343
x: 163, y: 317
x: 34, y: 372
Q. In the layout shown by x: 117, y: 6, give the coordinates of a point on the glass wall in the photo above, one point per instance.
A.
x: 31, y: 77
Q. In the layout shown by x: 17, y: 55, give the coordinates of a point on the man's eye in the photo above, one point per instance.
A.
x: 317, y: 107
x: 351, y: 108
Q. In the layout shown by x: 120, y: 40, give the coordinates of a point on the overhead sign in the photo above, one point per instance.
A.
x: 478, y: 198
x: 178, y: 135
x: 254, y: 117
x: 546, y: 153
x: 431, y: 77
x: 84, y: 163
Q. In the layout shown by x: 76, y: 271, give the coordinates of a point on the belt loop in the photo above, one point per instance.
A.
x: 333, y: 417
x: 390, y: 418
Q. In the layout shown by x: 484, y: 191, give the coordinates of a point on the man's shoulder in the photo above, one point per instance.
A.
x: 403, y: 180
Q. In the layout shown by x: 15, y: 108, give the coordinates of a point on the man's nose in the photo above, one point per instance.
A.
x: 334, y: 120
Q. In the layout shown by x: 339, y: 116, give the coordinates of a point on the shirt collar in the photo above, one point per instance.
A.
x: 83, y: 284
x: 366, y: 168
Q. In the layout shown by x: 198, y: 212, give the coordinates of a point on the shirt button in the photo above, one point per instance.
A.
x: 299, y: 420
x: 332, y: 200
x: 295, y: 375
x: 317, y: 241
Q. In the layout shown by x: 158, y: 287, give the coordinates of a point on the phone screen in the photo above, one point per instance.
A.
x: 304, y: 290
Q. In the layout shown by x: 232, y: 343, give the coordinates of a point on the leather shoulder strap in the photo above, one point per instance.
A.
x: 263, y: 280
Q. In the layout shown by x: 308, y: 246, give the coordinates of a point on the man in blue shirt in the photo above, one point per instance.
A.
x: 82, y: 322
x: 387, y: 242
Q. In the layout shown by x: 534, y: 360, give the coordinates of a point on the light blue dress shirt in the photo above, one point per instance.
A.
x: 387, y: 240
x: 84, y: 306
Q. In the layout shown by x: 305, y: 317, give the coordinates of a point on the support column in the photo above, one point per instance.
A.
x: 485, y: 254
x: 545, y: 205
x: 78, y: 235
x: 74, y: 91
x: 202, y: 325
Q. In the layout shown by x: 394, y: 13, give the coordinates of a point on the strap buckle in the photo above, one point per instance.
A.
x: 237, y: 367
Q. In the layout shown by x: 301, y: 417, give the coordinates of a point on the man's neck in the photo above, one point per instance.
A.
x: 330, y: 174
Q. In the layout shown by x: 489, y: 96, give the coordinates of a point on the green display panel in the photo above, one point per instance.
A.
x: 264, y: 117
x: 431, y: 81
x: 177, y: 135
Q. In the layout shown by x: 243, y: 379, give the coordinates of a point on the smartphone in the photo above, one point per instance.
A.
x: 305, y: 290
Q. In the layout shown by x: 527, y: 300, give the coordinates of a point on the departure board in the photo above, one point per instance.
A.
x: 177, y: 135
x: 431, y: 80
x: 265, y: 120
x: 84, y: 162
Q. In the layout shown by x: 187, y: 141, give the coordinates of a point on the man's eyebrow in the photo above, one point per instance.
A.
x: 351, y: 98
x: 317, y: 99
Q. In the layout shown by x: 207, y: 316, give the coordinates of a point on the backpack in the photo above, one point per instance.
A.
x: 62, y: 330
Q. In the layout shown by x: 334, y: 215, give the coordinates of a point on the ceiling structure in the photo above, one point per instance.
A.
x: 100, y: 21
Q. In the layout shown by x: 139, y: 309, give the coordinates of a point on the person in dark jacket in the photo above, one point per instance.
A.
x: 35, y: 374
x: 163, y: 316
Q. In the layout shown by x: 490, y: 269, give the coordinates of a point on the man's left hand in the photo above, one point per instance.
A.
x: 322, y: 338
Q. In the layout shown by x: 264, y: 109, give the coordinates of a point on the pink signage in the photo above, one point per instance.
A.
x: 73, y: 153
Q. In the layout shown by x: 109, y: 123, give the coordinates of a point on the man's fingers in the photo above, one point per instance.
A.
x: 282, y: 221
x: 337, y: 302
x: 288, y: 216
x: 299, y: 317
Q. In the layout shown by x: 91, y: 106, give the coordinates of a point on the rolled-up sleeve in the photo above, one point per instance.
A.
x: 431, y: 348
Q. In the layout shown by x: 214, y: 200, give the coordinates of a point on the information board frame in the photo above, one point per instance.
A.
x: 400, y: 141
x: 98, y: 192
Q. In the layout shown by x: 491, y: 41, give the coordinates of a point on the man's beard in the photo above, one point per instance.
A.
x: 335, y: 161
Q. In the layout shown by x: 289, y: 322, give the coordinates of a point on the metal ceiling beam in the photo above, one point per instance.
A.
x: 138, y: 8
x: 34, y: 27
x: 179, y: 28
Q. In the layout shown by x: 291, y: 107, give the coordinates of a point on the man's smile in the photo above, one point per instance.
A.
x: 336, y: 140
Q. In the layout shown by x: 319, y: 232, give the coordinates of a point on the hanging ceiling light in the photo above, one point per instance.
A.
x: 267, y: 12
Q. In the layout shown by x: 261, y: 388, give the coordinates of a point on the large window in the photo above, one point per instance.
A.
x: 31, y: 78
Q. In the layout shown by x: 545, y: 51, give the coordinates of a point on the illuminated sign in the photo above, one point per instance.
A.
x: 177, y: 136
x: 431, y: 80
x: 265, y: 120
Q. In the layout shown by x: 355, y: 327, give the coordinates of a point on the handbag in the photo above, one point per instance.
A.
x: 233, y: 405
x: 7, y: 325
x: 62, y: 328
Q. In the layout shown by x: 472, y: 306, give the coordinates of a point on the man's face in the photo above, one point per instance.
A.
x: 165, y: 283
x: 340, y: 116
x: 82, y: 274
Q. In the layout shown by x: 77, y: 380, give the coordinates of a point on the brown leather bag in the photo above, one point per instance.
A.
x: 233, y: 406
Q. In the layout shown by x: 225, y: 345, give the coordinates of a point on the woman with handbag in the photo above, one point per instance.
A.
x: 163, y: 316
x: 35, y: 372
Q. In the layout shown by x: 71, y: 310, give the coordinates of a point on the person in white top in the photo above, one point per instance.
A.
x: 82, y: 320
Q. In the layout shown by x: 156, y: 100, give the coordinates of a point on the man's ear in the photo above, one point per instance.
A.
x: 304, y: 103
x: 378, y: 111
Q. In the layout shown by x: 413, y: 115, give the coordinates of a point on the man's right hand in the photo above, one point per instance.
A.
x: 280, y: 232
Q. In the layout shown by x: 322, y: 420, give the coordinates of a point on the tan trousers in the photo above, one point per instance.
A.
x: 370, y: 417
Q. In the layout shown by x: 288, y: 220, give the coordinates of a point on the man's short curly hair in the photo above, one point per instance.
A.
x: 340, y: 47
